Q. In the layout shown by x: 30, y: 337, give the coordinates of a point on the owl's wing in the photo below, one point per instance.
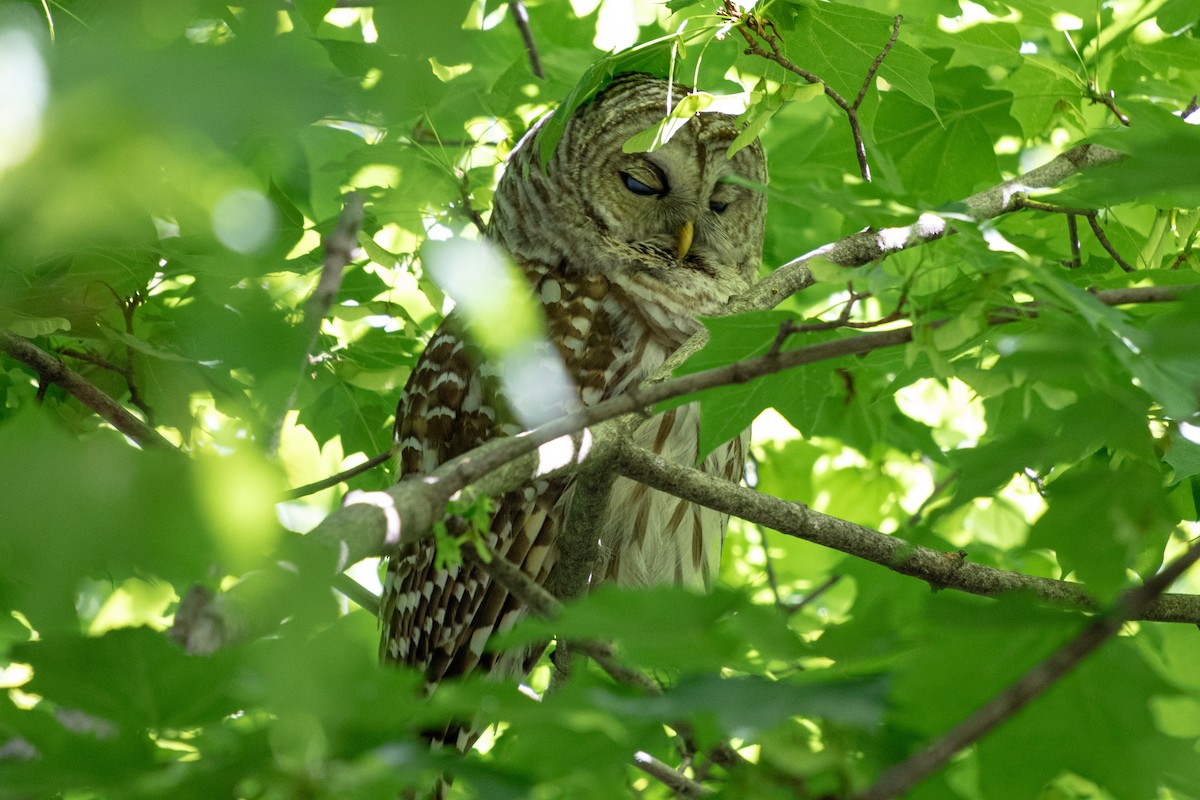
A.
x: 440, y: 620
x: 448, y: 407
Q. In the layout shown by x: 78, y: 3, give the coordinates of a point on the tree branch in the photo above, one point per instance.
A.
x: 1133, y: 604
x: 1092, y: 216
x: 870, y: 244
x: 53, y: 370
x: 941, y: 570
x: 877, y: 63
x: 542, y: 604
x: 468, y: 210
x: 334, y: 480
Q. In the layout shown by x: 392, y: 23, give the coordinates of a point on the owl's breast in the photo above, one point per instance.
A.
x: 609, y: 339
x: 650, y: 537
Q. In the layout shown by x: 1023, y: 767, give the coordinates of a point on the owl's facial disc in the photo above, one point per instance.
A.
x: 670, y: 204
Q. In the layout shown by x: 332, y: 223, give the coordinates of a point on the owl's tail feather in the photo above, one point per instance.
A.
x: 457, y: 735
x: 440, y: 791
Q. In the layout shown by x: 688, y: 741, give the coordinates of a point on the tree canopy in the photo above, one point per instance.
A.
x: 972, y: 368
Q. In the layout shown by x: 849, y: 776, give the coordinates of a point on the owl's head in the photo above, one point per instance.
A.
x: 677, y: 226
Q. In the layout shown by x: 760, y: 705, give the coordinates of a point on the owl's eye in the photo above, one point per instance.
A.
x: 639, y: 188
x: 718, y: 206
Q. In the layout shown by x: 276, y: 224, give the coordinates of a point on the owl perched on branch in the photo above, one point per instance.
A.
x: 623, y: 251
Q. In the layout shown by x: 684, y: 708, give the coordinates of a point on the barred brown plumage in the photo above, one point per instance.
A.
x: 624, y: 252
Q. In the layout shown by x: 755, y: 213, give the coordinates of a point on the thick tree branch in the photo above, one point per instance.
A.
x: 941, y: 570
x: 53, y: 370
x: 369, y: 524
x: 871, y: 245
x: 579, y: 540
x: 1133, y: 604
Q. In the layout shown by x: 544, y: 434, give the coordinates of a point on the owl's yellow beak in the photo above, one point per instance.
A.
x: 685, y: 239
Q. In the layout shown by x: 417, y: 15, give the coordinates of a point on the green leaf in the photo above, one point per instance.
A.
x: 1103, y: 521
x: 133, y: 677
x: 653, y: 57
x: 32, y: 327
x: 942, y: 677
x: 841, y: 41
x: 659, y: 134
x: 726, y: 411
x: 706, y: 630
x: 1183, y: 454
x: 747, y: 706
x: 1161, y: 165
x: 754, y: 128
x: 122, y: 502
x: 947, y: 152
x: 1109, y: 695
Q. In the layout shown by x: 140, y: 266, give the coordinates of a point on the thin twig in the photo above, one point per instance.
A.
x: 340, y: 244
x: 531, y: 594
x: 898, y: 780
x: 521, y: 16
x: 824, y: 587
x: 789, y: 328
x: 357, y: 593
x: 936, y: 492
x: 468, y: 210
x: 1112, y: 251
x: 124, y: 371
x: 1091, y: 214
x: 93, y: 359
x: 750, y: 477
x: 334, y: 480
x: 1073, y: 233
x: 128, y: 307
x: 878, y: 62
x: 769, y: 565
x: 1108, y: 100
x: 603, y: 656
x: 753, y: 29
x: 676, y: 781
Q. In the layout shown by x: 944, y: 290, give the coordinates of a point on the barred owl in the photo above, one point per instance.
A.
x: 624, y: 252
